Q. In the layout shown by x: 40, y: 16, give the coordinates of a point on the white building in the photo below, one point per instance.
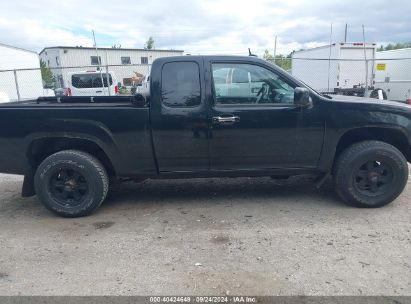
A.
x: 20, y: 75
x: 63, y: 60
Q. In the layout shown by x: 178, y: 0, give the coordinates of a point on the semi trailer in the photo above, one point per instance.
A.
x: 340, y: 68
x: 393, y: 74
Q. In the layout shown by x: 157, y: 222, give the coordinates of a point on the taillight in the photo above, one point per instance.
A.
x: 68, y: 92
x: 409, y: 101
x: 116, y: 90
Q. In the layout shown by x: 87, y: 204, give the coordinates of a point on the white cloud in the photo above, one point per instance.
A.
x: 212, y: 26
x: 34, y: 35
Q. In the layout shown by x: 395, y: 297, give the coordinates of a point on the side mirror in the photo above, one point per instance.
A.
x: 139, y: 100
x: 302, y: 97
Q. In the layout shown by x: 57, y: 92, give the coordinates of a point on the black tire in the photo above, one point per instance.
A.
x: 370, y: 174
x: 71, y: 183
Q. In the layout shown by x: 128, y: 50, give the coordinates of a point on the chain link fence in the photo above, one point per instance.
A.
x: 22, y: 84
x: 388, y: 78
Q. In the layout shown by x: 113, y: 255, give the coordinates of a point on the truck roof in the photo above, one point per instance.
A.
x: 212, y: 57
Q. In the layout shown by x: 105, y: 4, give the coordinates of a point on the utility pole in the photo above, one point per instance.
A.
x: 345, y: 33
x: 99, y: 63
x: 275, y: 47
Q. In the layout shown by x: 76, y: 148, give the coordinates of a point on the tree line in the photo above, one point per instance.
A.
x: 395, y: 46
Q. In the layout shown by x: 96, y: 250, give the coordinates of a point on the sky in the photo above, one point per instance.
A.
x: 203, y: 27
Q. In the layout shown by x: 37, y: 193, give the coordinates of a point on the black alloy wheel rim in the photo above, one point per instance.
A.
x: 373, y: 177
x: 68, y: 187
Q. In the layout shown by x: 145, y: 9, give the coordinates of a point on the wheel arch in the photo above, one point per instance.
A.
x: 40, y: 149
x: 392, y: 136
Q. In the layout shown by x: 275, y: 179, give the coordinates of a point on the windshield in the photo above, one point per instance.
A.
x: 312, y: 89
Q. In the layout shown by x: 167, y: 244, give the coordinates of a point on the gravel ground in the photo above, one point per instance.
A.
x: 206, y: 237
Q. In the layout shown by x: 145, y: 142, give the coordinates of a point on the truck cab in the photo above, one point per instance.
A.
x: 247, y: 122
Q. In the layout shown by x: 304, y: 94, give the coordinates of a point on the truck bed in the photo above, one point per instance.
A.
x: 112, y: 124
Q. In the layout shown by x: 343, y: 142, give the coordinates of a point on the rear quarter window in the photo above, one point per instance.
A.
x: 180, y: 84
x: 82, y: 81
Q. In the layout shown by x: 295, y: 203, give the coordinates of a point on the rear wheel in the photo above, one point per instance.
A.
x: 71, y: 183
x: 370, y: 174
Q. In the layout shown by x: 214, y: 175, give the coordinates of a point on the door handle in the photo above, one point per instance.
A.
x: 99, y: 91
x: 226, y: 120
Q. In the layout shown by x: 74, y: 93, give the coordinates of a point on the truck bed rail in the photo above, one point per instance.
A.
x: 86, y: 99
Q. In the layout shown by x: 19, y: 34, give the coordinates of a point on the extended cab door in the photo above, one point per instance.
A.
x: 178, y: 115
x: 254, y: 122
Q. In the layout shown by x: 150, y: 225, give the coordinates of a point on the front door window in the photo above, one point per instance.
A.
x: 249, y: 84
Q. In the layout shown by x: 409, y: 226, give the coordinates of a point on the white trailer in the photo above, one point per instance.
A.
x: 393, y: 74
x: 340, y: 68
x: 20, y: 75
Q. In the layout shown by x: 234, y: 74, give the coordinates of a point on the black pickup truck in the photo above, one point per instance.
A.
x: 206, y: 116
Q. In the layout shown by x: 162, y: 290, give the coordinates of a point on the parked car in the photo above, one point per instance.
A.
x: 89, y: 83
x: 69, y: 148
x: 144, y: 86
x: 61, y: 92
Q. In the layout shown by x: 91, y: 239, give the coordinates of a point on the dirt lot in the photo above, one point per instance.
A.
x: 206, y: 237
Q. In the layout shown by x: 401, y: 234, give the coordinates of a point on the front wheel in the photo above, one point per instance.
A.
x: 71, y: 183
x: 370, y: 174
